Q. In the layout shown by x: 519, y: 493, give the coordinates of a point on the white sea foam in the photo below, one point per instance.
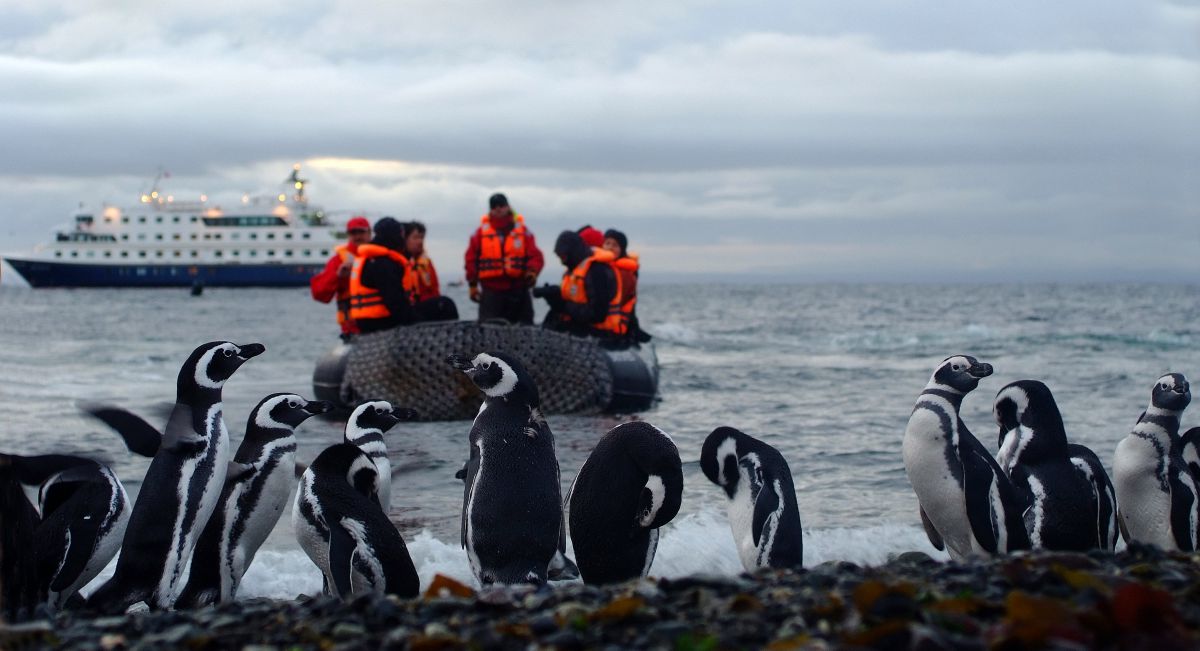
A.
x: 675, y: 332
x: 698, y: 543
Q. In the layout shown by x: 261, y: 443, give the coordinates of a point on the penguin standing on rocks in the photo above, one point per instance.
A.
x: 968, y: 505
x: 256, y: 490
x: 81, y: 511
x: 1069, y: 502
x: 512, y: 503
x: 340, y: 526
x: 1156, y: 492
x: 365, y: 428
x: 763, y: 512
x: 629, y: 487
x: 181, y: 486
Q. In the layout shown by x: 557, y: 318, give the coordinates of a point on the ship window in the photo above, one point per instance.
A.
x: 74, y: 254
x: 307, y: 252
x: 158, y: 220
x: 254, y: 236
x: 175, y: 219
x: 287, y: 236
x: 141, y: 236
x: 271, y: 252
x: 176, y: 236
x: 288, y: 253
x: 194, y: 219
x: 108, y: 254
x: 158, y: 236
x: 124, y: 220
x: 253, y: 253
x: 141, y: 254
x: 158, y: 254
x: 235, y: 236
x: 141, y: 220
x: 217, y: 253
x: 270, y: 236
x: 58, y: 254
x: 216, y: 236
x: 193, y: 236
x: 124, y: 254
x: 305, y: 235
x: 235, y: 253
x: 125, y: 238
x: 324, y: 252
x: 195, y: 254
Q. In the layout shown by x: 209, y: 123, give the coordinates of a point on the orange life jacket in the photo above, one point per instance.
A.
x: 343, y: 290
x: 502, y: 256
x: 365, y: 302
x: 427, y: 280
x: 574, y: 290
x: 626, y: 270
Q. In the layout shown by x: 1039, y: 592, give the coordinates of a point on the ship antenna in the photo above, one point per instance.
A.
x: 298, y: 183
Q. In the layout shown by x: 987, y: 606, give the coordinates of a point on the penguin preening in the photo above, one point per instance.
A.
x: 1069, y: 502
x: 256, y: 490
x: 365, y: 428
x: 1156, y: 491
x: 968, y: 505
x: 341, y: 528
x: 630, y: 485
x: 512, y: 516
x: 763, y: 512
x: 181, y: 487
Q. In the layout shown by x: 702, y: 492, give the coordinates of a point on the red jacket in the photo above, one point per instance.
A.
x: 326, y: 285
x: 533, y: 262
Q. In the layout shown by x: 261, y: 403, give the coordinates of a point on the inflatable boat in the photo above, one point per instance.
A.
x: 407, y: 367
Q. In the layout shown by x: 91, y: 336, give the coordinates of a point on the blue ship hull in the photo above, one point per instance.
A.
x: 64, y: 274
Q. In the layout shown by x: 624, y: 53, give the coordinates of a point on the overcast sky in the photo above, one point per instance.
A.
x: 814, y: 140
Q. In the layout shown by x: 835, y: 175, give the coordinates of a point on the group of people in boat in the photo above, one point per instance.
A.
x: 382, y: 278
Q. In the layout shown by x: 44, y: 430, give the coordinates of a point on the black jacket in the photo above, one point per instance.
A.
x: 600, y: 283
x: 387, y: 277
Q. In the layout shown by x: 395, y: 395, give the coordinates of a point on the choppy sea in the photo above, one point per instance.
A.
x: 826, y: 373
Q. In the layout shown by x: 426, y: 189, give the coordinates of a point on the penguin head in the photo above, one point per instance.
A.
x: 211, y: 364
x: 498, y: 375
x: 960, y: 373
x: 1030, y: 424
x: 375, y: 416
x: 348, y: 461
x: 1172, y: 392
x: 285, y: 411
x: 720, y: 456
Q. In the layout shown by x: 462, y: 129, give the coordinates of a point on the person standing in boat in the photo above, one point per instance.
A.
x: 383, y: 284
x: 587, y: 301
x: 502, y: 264
x: 334, y: 279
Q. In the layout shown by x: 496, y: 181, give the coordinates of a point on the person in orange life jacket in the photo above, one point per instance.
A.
x: 427, y: 287
x: 383, y: 284
x: 334, y: 279
x: 627, y: 268
x: 502, y: 263
x: 599, y: 287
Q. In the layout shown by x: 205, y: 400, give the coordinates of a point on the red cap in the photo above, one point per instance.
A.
x: 358, y: 222
x: 591, y: 236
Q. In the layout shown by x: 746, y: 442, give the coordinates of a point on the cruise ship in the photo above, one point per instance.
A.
x: 274, y: 241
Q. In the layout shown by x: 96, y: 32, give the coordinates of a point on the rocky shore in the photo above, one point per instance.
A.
x: 1138, y: 599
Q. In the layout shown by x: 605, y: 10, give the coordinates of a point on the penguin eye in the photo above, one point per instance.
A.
x: 487, y: 365
x: 1163, y: 386
x: 226, y: 352
x: 293, y: 404
x: 956, y: 367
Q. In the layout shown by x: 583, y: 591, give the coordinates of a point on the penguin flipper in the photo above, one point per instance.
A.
x: 472, y: 468
x: 764, y: 508
x: 140, y: 437
x: 341, y: 559
x: 935, y: 538
x: 1183, y: 507
x: 81, y: 542
x: 238, y: 471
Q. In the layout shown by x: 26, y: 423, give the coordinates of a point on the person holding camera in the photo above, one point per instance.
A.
x: 502, y: 263
x: 587, y: 302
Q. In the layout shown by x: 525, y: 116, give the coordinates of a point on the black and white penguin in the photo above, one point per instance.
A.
x: 630, y: 485
x: 968, y: 505
x: 365, y: 428
x: 339, y: 524
x: 257, y: 487
x: 1069, y: 501
x: 1156, y: 493
x: 1190, y: 445
x: 512, y: 503
x: 763, y: 512
x: 181, y: 486
x: 81, y: 512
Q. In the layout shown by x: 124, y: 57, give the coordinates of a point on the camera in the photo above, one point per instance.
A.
x: 546, y: 291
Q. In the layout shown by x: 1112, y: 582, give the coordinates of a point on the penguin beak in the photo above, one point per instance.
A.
x: 251, y: 350
x: 980, y: 370
x: 315, y: 407
x: 461, y: 363
x: 404, y: 413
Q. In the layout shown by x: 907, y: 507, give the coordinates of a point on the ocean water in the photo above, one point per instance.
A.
x: 826, y: 373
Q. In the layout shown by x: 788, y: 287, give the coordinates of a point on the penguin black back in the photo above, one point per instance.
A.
x: 630, y: 485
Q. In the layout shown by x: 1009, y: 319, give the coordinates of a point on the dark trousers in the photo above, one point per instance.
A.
x: 512, y: 305
x: 439, y: 308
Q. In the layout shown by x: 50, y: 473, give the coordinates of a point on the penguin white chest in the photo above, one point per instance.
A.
x: 1144, y: 501
x: 741, y: 521
x: 926, y: 441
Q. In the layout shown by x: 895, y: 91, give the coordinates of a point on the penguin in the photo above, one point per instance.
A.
x: 512, y: 516
x: 968, y: 505
x: 763, y: 512
x: 181, y: 487
x: 1190, y: 444
x: 257, y: 487
x: 80, y: 511
x: 365, y: 428
x: 339, y: 524
x: 1156, y: 493
x: 1068, y: 498
x: 630, y: 485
